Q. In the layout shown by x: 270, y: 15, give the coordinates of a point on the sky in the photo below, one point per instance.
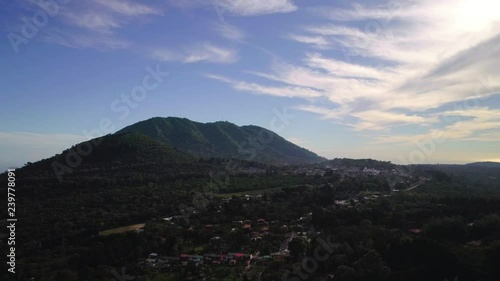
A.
x: 404, y: 81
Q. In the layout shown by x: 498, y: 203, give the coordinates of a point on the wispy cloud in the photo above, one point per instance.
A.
x: 129, y: 8
x: 229, y: 31
x: 473, y: 124
x: 92, y: 20
x: 94, y: 24
x: 241, y: 7
x: 206, y: 52
x: 84, y: 40
x: 399, y: 65
x: 318, y: 41
x: 256, y: 7
x: 287, y: 91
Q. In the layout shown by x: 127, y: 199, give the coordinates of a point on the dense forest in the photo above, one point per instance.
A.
x: 342, y: 219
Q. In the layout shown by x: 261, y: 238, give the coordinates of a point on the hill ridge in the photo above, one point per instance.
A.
x: 223, y: 139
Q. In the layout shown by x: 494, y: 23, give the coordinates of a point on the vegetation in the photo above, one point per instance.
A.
x: 442, y: 224
x: 223, y: 140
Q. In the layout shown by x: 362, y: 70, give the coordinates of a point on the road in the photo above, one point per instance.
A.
x: 415, y: 186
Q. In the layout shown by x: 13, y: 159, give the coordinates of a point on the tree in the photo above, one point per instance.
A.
x: 446, y: 229
x: 371, y: 266
x: 492, y: 261
x: 297, y: 247
x: 345, y: 273
x: 486, y: 226
x: 64, y: 274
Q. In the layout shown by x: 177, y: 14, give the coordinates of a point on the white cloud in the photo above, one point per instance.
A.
x: 229, y: 31
x: 318, y: 41
x: 342, y: 69
x: 201, y: 53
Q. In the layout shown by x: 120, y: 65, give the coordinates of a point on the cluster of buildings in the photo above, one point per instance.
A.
x: 216, y: 259
x: 254, y: 229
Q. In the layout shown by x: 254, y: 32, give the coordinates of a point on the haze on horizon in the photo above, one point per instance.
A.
x: 413, y: 82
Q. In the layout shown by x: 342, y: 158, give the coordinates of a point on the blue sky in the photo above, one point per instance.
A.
x: 412, y: 82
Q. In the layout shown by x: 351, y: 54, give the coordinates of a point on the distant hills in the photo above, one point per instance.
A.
x: 485, y: 164
x: 223, y: 140
x: 361, y: 163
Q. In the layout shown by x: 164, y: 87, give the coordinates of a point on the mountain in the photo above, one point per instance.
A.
x: 223, y: 140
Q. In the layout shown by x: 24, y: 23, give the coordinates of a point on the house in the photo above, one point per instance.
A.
x: 264, y: 230
x: 234, y: 258
x: 191, y: 259
x: 416, y: 231
x: 196, y: 260
x: 475, y: 243
x: 280, y: 256
x: 152, y: 258
x: 214, y: 258
x: 302, y: 219
x: 171, y: 260
x: 371, y: 171
x: 184, y: 259
x: 267, y: 258
x: 181, y: 220
x: 342, y: 202
x: 215, y: 241
x: 246, y: 226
